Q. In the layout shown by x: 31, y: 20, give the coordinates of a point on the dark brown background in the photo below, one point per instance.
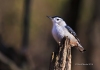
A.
x: 25, y: 32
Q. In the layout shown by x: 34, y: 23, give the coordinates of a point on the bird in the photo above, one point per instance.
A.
x: 60, y: 29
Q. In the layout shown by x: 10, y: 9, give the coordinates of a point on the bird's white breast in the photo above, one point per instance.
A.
x: 59, y: 32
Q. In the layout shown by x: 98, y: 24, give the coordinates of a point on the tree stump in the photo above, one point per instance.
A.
x: 61, y: 60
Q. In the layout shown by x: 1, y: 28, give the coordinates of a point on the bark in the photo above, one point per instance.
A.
x: 61, y: 60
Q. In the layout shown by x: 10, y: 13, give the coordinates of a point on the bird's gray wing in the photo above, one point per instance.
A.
x: 72, y: 32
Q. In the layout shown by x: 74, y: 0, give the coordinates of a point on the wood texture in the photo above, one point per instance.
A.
x: 61, y: 60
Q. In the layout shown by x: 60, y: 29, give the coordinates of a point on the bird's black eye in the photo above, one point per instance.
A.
x: 57, y: 19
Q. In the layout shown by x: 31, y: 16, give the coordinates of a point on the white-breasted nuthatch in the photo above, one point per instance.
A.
x: 61, y: 29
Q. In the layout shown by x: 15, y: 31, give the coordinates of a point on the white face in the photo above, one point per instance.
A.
x: 59, y: 21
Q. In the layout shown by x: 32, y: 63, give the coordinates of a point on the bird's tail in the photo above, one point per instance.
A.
x: 80, y: 48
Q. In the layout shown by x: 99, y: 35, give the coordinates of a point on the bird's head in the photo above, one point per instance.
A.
x: 57, y: 20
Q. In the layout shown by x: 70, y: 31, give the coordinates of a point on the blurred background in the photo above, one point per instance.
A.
x: 26, y: 42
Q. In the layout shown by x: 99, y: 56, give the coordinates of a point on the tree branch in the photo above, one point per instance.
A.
x: 61, y: 60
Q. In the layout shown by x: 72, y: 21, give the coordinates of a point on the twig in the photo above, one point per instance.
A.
x: 7, y: 61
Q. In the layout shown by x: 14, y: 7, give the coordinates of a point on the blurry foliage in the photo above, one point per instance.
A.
x: 11, y: 21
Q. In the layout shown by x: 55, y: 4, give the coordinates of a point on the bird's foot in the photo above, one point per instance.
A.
x: 59, y: 43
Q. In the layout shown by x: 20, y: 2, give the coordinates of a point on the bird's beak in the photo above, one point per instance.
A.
x: 49, y: 17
